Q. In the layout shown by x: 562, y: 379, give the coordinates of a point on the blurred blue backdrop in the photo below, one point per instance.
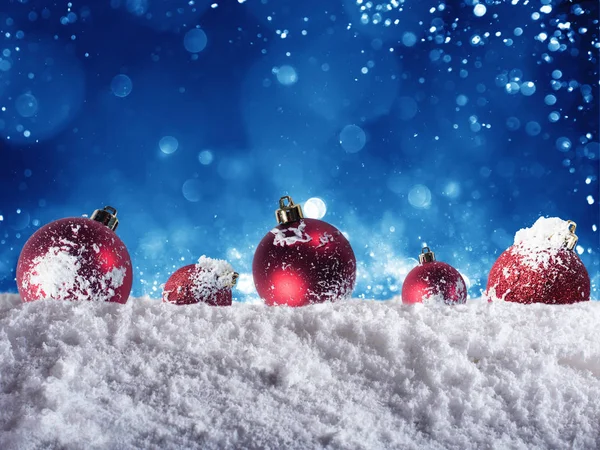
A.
x: 448, y: 123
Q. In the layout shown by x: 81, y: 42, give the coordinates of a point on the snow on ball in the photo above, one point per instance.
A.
x: 540, y: 267
x: 74, y: 259
x: 303, y: 261
x: 195, y: 40
x: 208, y: 281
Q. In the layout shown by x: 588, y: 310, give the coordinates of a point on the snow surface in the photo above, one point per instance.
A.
x: 351, y: 375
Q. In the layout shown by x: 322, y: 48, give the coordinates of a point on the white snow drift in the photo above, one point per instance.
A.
x: 359, y: 374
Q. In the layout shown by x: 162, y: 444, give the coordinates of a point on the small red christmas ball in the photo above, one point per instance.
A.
x: 76, y: 259
x: 208, y: 281
x: 303, y: 261
x: 540, y: 267
x: 433, y: 281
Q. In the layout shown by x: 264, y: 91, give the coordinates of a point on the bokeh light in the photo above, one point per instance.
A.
x: 195, y: 40
x: 400, y: 122
x: 41, y: 88
x: 192, y: 190
x: 168, y: 145
x: 479, y: 10
x: 27, y: 105
x: 121, y: 85
x: 314, y: 208
x: 419, y: 196
x: 409, y: 39
x: 205, y: 157
x: 286, y: 75
x: 352, y: 138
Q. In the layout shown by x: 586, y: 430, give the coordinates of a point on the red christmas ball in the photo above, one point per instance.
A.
x: 209, y: 281
x: 303, y: 261
x: 76, y: 259
x: 433, y: 281
x: 541, y: 267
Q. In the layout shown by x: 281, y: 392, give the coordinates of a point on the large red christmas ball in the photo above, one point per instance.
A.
x: 559, y: 277
x: 433, y: 281
x: 303, y: 261
x: 209, y: 281
x: 540, y: 267
x: 75, y: 259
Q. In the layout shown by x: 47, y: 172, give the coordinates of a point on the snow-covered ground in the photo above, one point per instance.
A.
x: 359, y: 374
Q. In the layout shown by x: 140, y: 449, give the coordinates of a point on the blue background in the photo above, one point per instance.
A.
x: 451, y: 124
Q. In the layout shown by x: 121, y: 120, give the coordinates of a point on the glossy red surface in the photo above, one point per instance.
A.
x: 304, y: 262
x: 182, y: 289
x: 78, y: 258
x: 435, y: 281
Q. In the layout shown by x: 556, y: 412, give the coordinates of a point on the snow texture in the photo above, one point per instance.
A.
x: 212, y: 275
x: 542, y: 241
x: 298, y: 235
x: 58, y: 274
x: 349, y: 375
x: 545, y: 233
x: 200, y: 281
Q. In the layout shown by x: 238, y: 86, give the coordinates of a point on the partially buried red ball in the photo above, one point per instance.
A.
x: 76, y: 259
x: 208, y: 281
x: 433, y: 281
x: 303, y: 261
x: 563, y: 279
x: 541, y: 266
